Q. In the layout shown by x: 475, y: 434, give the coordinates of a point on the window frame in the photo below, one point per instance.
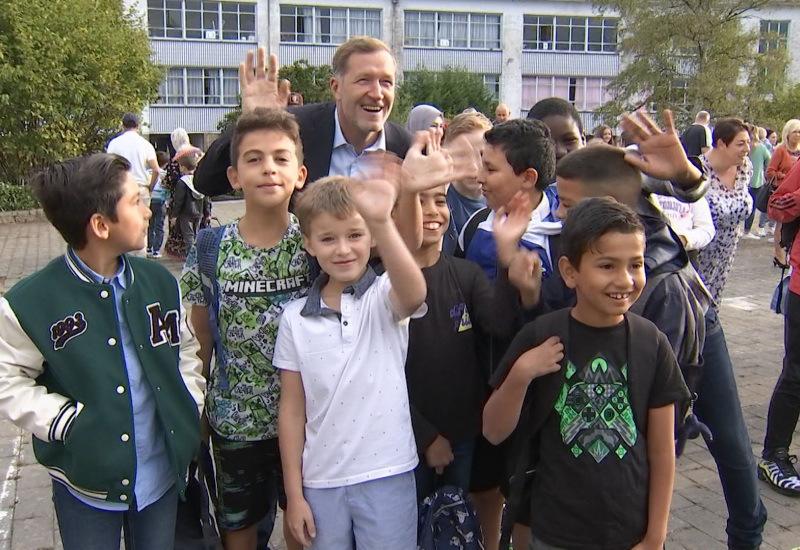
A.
x: 157, y: 11
x: 316, y: 36
x: 779, y: 29
x: 208, y: 78
x: 570, y: 34
x: 439, y: 20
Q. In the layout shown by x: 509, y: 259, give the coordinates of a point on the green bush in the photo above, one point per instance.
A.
x: 16, y: 197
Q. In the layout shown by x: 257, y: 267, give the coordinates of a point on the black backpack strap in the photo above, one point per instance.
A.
x: 536, y: 408
x: 207, y: 245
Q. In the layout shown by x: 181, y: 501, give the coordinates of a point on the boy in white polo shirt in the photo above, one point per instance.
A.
x: 344, y: 426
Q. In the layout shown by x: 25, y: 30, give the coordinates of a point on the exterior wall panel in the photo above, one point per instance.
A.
x: 479, y: 61
x: 569, y: 64
x: 193, y: 119
x: 197, y: 53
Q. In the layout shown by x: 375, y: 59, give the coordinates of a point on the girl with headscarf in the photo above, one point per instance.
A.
x: 423, y: 117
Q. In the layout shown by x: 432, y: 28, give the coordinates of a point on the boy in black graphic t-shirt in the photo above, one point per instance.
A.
x: 602, y: 418
x: 446, y: 382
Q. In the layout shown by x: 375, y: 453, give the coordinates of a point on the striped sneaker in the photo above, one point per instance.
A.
x: 777, y: 469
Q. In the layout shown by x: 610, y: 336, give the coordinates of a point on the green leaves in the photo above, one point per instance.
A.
x: 689, y: 56
x: 70, y: 69
x: 451, y: 90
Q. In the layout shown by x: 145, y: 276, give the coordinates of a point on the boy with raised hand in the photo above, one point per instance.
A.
x: 259, y: 266
x: 518, y: 157
x: 598, y: 406
x: 446, y: 381
x: 97, y: 360
x: 347, y: 443
x: 678, y: 300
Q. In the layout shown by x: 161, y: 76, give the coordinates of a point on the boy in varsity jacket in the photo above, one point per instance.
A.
x: 98, y: 362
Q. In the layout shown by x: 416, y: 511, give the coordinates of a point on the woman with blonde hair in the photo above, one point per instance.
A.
x: 783, y: 158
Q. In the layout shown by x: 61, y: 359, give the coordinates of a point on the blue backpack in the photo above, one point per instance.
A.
x: 447, y: 519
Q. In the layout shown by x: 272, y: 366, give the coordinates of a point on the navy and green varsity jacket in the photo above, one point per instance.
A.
x: 63, y: 377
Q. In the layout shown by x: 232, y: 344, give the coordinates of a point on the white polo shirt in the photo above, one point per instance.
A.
x: 137, y: 150
x: 358, y: 424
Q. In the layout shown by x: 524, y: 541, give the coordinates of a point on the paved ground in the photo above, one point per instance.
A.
x: 698, y: 513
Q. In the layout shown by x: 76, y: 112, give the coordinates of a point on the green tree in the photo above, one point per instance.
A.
x: 312, y: 82
x: 69, y: 69
x: 693, y: 55
x: 451, y: 90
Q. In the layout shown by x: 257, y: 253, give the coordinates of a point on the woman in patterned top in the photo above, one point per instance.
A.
x: 729, y: 170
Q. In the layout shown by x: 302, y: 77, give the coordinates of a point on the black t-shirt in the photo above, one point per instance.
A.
x: 591, y: 485
x: 446, y: 382
x: 694, y: 138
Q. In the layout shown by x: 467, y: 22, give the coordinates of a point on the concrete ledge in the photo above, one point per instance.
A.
x: 22, y: 216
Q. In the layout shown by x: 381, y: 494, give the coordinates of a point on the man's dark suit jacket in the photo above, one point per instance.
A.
x: 316, y: 132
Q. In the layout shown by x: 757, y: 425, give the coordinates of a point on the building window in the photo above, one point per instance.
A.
x: 492, y: 84
x: 318, y: 25
x: 196, y: 86
x: 586, y: 93
x: 170, y: 92
x: 202, y: 20
x: 165, y: 18
x: 428, y: 29
x: 773, y: 35
x: 569, y: 34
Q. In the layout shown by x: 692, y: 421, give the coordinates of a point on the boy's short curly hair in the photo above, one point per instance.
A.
x: 266, y: 119
x: 589, y: 220
x: 526, y: 144
x: 328, y: 195
x: 71, y: 192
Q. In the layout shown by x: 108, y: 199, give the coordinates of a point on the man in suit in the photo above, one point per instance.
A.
x: 334, y: 135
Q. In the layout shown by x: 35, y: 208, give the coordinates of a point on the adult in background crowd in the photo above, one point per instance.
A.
x: 139, y: 153
x: 783, y: 158
x: 728, y: 169
x: 696, y: 139
x: 175, y: 247
x: 772, y: 140
x: 776, y: 465
x: 423, y: 117
x: 501, y: 113
x: 334, y: 135
x: 604, y: 134
x: 760, y: 157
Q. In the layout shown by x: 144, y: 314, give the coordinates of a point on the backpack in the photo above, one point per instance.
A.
x: 195, y: 524
x: 780, y: 297
x: 207, y: 245
x: 447, y: 519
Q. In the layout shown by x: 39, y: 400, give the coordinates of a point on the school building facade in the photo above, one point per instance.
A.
x: 524, y: 49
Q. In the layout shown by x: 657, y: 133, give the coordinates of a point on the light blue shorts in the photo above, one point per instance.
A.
x: 374, y: 514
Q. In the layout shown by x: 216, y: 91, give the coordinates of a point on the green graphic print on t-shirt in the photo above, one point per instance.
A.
x: 595, y: 411
x: 255, y: 284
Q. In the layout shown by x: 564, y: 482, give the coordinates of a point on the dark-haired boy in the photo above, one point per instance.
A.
x: 517, y: 158
x: 259, y: 265
x: 604, y: 171
x: 97, y: 360
x: 600, y: 405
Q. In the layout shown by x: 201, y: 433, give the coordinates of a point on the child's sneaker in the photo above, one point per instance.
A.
x: 777, y: 469
x: 155, y: 255
x: 750, y: 235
